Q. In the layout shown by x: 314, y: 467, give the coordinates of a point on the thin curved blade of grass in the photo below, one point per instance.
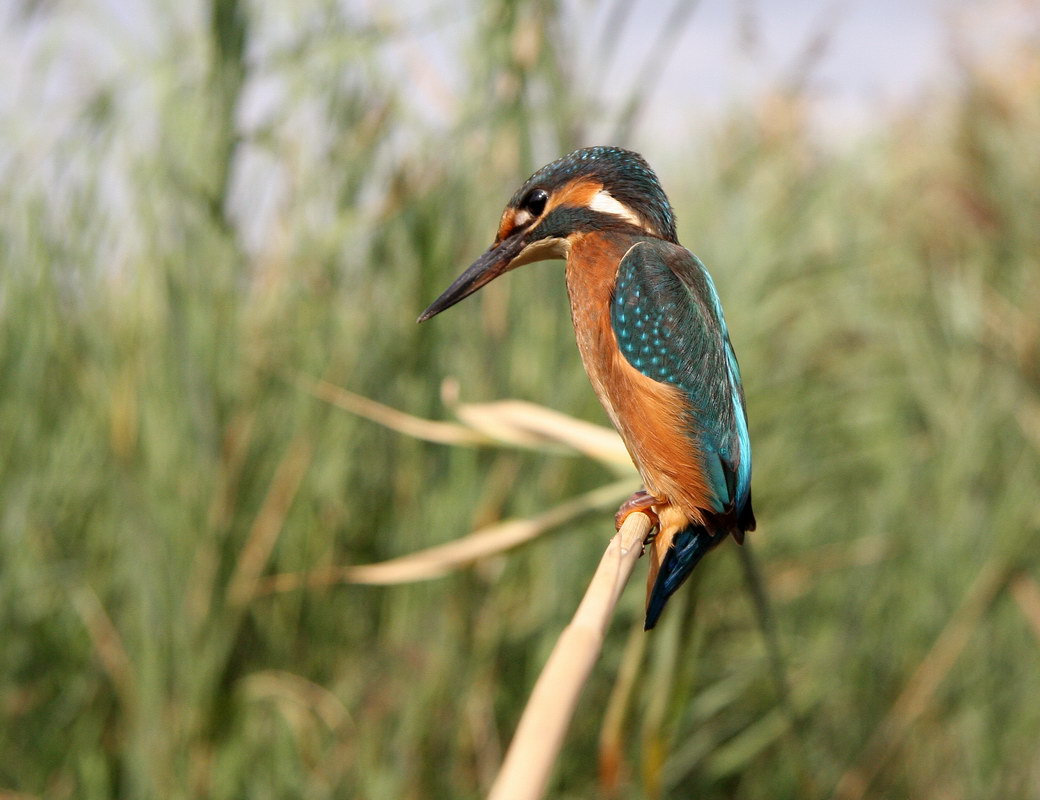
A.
x: 298, y: 694
x: 737, y: 753
x: 440, y: 560
x: 920, y: 688
x: 709, y: 732
x: 269, y: 523
x: 716, y: 747
x: 656, y: 725
x: 108, y: 644
x: 611, y: 733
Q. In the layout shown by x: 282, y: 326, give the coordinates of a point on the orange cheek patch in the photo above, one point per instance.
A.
x: 579, y: 194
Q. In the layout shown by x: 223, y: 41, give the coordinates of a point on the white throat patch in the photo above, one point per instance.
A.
x: 542, y: 250
x: 605, y: 203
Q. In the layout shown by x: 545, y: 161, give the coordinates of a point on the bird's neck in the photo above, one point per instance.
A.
x: 592, y: 266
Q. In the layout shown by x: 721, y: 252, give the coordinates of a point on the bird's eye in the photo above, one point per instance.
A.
x: 535, y: 202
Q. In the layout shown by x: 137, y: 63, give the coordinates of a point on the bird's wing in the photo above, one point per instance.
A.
x: 669, y: 325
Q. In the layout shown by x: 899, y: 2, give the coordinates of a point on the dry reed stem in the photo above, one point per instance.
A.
x: 529, y: 425
x: 539, y: 736
x: 506, y: 422
x: 416, y: 427
x: 434, y: 562
x: 919, y: 689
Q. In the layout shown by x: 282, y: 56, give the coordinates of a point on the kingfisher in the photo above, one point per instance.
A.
x: 653, y: 340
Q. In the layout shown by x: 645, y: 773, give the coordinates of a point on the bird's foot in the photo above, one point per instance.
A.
x: 640, y: 501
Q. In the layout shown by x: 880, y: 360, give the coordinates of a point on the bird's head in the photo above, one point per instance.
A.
x: 596, y: 189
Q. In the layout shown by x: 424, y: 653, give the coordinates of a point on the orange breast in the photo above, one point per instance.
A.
x: 650, y: 416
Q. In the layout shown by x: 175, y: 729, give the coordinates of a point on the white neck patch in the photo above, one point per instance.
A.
x: 605, y: 203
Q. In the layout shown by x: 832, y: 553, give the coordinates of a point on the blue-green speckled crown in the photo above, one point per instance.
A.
x: 623, y: 173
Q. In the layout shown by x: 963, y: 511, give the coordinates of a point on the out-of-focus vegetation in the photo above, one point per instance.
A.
x: 244, y: 197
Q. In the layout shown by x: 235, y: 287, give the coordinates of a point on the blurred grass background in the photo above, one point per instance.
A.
x: 199, y: 217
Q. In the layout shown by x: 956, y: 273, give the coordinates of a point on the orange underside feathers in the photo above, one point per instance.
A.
x: 652, y: 417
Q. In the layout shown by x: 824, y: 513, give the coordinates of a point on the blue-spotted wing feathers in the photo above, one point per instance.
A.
x: 669, y: 325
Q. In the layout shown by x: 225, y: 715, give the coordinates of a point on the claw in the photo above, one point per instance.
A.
x: 640, y: 501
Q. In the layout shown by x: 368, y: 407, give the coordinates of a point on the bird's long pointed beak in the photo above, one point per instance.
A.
x: 497, y: 260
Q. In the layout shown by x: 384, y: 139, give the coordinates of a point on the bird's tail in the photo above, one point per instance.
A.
x: 688, y: 547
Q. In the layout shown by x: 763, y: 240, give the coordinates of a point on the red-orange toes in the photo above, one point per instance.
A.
x: 639, y: 501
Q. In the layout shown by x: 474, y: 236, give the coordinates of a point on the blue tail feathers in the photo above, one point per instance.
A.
x: 689, y: 546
